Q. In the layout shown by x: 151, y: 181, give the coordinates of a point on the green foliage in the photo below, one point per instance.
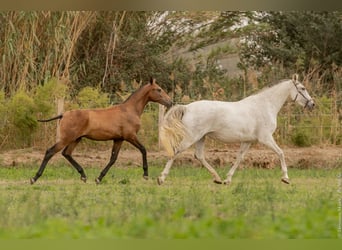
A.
x: 301, y: 41
x: 149, y: 132
x: 108, y: 49
x: 303, y: 128
x: 301, y: 138
x: 90, y: 97
x: 47, y: 94
x: 21, y: 110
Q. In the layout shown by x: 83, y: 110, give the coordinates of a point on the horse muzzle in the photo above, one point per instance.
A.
x: 309, y: 105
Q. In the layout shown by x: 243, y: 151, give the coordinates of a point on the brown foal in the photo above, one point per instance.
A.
x: 118, y: 123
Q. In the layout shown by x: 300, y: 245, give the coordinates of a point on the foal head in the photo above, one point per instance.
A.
x: 157, y: 94
x: 300, y: 95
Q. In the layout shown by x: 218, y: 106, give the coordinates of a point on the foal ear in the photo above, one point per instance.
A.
x: 295, y: 78
x: 152, y: 80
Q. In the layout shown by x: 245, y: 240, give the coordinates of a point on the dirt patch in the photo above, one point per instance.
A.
x: 257, y: 156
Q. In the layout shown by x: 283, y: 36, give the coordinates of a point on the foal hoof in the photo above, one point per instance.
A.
x: 285, y: 180
x: 145, y: 177
x: 32, y: 181
x: 97, y: 181
x: 84, y: 179
x: 217, y: 182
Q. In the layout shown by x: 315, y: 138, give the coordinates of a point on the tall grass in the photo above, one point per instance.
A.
x: 38, y: 45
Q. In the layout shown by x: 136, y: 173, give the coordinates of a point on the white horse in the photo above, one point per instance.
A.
x: 251, y: 119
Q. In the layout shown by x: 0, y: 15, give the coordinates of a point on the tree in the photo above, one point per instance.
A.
x: 308, y: 42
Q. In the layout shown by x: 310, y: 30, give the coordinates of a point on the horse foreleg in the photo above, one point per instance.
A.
x: 243, y: 150
x: 115, y: 152
x: 273, y: 145
x: 48, y: 155
x: 138, y: 145
x: 199, y: 155
x: 67, y: 154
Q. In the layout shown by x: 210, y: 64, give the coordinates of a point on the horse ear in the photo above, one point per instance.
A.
x: 295, y: 78
x: 151, y: 80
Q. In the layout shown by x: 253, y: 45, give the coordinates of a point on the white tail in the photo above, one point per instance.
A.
x: 172, y: 130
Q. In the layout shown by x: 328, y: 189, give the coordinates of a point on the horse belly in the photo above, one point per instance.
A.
x: 232, y: 135
x: 101, y: 135
x: 103, y: 131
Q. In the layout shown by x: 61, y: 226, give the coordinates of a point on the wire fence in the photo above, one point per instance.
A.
x: 295, y: 127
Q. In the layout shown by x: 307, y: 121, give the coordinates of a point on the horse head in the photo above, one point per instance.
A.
x: 157, y: 94
x: 300, y: 95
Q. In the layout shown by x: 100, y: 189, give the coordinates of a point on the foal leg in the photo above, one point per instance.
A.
x: 243, y: 150
x: 134, y: 141
x: 48, y: 155
x: 67, y: 154
x: 115, y: 151
x: 199, y: 155
x: 273, y: 145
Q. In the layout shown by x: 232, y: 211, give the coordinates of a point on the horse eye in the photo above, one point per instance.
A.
x: 303, y: 88
x: 159, y: 90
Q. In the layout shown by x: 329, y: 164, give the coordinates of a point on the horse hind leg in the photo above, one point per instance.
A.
x: 199, y: 155
x: 48, y: 155
x: 67, y: 154
x: 243, y: 150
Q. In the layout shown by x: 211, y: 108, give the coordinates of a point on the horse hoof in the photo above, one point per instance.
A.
x: 97, y: 181
x: 145, y: 177
x: 32, y: 181
x: 226, y: 182
x: 217, y: 182
x: 285, y: 180
x: 84, y: 179
x: 159, y: 180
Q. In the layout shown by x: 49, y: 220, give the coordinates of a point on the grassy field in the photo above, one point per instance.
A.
x: 188, y: 205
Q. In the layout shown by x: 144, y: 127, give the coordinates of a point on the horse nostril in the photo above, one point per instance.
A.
x: 312, y: 105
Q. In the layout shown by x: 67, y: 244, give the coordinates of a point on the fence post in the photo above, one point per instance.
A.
x: 60, y: 110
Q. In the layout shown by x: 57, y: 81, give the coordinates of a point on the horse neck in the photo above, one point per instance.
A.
x: 277, y: 95
x: 138, y: 100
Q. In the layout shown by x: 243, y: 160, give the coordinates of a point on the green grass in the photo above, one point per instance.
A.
x: 188, y: 205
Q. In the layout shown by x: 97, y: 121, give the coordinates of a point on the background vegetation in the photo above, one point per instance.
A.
x: 95, y: 59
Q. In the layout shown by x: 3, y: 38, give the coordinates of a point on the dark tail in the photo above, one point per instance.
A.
x: 51, y: 119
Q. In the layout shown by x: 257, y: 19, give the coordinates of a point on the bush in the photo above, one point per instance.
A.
x: 90, y: 97
x: 22, y: 111
x: 300, y: 138
x: 46, y: 96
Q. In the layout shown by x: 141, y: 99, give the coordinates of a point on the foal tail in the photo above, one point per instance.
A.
x: 51, y: 119
x: 172, y: 130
